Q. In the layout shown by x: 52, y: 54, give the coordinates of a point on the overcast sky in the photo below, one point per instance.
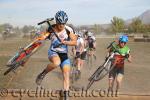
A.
x: 80, y: 12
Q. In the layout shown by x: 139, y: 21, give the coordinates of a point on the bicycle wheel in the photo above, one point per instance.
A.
x: 97, y: 71
x: 106, y: 68
x: 12, y: 68
x: 90, y: 84
x: 13, y: 59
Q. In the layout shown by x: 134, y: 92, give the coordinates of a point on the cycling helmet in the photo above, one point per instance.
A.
x: 123, y: 38
x: 90, y: 34
x: 78, y: 34
x: 61, y: 17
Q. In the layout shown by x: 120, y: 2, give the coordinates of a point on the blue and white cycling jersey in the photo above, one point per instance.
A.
x: 63, y: 35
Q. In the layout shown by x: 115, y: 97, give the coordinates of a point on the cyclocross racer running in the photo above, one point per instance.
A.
x: 118, y: 71
x: 58, y: 54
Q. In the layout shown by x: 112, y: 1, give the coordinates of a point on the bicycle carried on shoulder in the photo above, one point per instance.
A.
x: 21, y: 57
x: 105, y: 68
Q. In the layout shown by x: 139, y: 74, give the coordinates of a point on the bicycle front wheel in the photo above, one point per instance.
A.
x: 106, y: 68
x: 90, y: 84
x: 12, y: 68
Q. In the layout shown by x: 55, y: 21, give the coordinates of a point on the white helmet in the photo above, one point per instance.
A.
x: 90, y: 34
x: 78, y: 34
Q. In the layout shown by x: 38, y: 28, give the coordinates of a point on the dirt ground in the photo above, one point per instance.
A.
x: 135, y: 85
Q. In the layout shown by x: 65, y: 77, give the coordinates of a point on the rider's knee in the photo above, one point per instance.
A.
x: 53, y: 65
x: 119, y: 78
x: 66, y: 69
x: 55, y: 61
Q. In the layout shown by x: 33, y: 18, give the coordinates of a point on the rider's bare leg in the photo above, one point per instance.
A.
x: 66, y: 82
x: 55, y: 62
x: 81, y: 63
x: 118, y: 81
x: 78, y: 63
x: 66, y: 71
x: 111, y: 84
x: 78, y: 68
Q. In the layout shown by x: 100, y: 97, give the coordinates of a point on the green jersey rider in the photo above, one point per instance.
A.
x: 116, y: 74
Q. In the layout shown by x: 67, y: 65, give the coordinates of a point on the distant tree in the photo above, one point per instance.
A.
x: 146, y: 28
x: 97, y: 28
x: 117, y: 24
x: 136, y: 26
x: 25, y: 29
x: 17, y: 30
x: 5, y: 27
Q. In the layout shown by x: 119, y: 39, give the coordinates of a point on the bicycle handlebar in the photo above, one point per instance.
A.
x: 47, y: 20
x: 50, y: 26
x: 111, y: 44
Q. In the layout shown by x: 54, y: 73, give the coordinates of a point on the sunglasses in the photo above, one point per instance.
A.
x: 61, y: 23
x: 123, y: 42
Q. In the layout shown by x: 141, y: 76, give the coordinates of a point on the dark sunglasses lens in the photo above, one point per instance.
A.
x: 123, y: 42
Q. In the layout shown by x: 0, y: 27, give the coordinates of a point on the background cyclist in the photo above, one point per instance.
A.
x: 79, y: 51
x: 90, y: 43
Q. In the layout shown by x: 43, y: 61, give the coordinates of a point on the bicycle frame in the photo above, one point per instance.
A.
x: 23, y: 55
x: 26, y: 51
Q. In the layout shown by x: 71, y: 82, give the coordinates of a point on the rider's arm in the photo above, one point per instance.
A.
x: 49, y: 31
x: 94, y: 44
x: 73, y: 40
x: 129, y: 58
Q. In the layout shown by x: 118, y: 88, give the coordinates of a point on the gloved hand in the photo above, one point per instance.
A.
x: 126, y: 56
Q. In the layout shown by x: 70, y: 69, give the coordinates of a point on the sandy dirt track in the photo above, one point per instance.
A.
x: 136, y: 83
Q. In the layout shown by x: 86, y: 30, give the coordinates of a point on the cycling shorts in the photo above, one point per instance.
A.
x: 63, y: 57
x: 81, y: 56
x: 116, y: 72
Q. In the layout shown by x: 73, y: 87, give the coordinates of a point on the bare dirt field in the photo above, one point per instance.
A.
x: 135, y: 85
